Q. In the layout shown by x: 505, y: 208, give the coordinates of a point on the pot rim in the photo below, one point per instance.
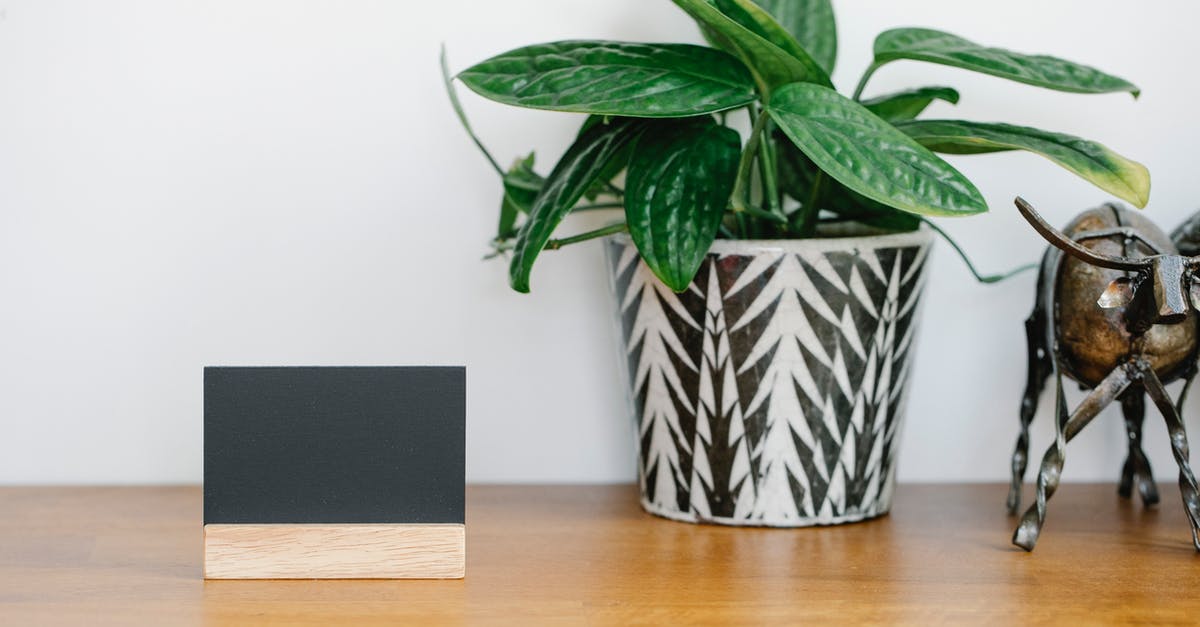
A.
x: 920, y: 237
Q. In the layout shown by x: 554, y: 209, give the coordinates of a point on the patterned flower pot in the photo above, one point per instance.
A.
x: 772, y: 391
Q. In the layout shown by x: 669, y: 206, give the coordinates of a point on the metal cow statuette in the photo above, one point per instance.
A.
x: 1114, y: 313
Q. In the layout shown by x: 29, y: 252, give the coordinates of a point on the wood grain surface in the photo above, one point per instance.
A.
x: 588, y: 555
x: 323, y: 551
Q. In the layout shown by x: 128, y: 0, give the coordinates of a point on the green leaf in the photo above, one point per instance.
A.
x: 614, y: 78
x: 797, y: 174
x: 582, y: 164
x: 678, y: 187
x: 906, y: 105
x: 868, y: 155
x: 591, y: 121
x: 1095, y: 163
x: 811, y: 23
x: 603, y: 183
x: 773, y: 56
x: 759, y: 21
x: 923, y: 44
x: 448, y: 83
x: 521, y: 187
x: 615, y: 166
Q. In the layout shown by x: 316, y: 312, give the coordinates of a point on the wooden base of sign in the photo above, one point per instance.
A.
x: 334, y: 551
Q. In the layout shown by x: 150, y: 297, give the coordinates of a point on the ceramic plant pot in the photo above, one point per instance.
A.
x: 772, y: 391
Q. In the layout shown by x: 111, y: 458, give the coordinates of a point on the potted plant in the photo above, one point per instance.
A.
x: 767, y: 283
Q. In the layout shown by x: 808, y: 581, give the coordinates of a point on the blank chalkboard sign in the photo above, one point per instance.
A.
x: 344, y: 472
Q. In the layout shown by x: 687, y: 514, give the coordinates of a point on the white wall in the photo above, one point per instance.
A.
x: 276, y: 182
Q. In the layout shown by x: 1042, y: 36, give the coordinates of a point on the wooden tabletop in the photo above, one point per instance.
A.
x: 588, y: 555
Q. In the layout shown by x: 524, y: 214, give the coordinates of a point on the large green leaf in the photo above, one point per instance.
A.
x: 583, y: 162
x: 923, y: 44
x: 759, y: 21
x: 868, y: 155
x: 811, y: 23
x: 773, y: 56
x: 521, y: 187
x: 603, y: 182
x: 614, y: 78
x: 797, y: 175
x: 906, y: 105
x: 1121, y: 177
x: 677, y: 190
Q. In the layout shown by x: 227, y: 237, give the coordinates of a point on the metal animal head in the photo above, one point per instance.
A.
x: 1162, y: 287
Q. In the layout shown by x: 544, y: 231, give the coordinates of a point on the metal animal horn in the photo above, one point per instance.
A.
x: 1073, y: 248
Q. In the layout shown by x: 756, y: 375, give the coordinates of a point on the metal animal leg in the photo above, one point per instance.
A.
x: 1133, y: 403
x: 1035, y: 382
x: 1188, y: 378
x: 1179, y: 446
x: 1110, y: 388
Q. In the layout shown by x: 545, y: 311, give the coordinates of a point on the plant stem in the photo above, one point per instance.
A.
x: 862, y: 82
x: 755, y: 212
x: 991, y: 278
x: 599, y: 205
x: 462, y: 115
x: 766, y: 167
x: 806, y: 223
x: 501, y: 246
x: 743, y: 230
x: 613, y: 189
x: 555, y: 244
x: 741, y: 187
x: 740, y: 199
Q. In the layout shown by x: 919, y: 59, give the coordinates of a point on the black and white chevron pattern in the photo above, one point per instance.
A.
x: 772, y: 391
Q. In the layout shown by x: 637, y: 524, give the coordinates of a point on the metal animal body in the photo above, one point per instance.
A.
x: 1140, y: 334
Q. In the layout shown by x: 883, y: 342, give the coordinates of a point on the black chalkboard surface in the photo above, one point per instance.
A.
x: 332, y: 446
